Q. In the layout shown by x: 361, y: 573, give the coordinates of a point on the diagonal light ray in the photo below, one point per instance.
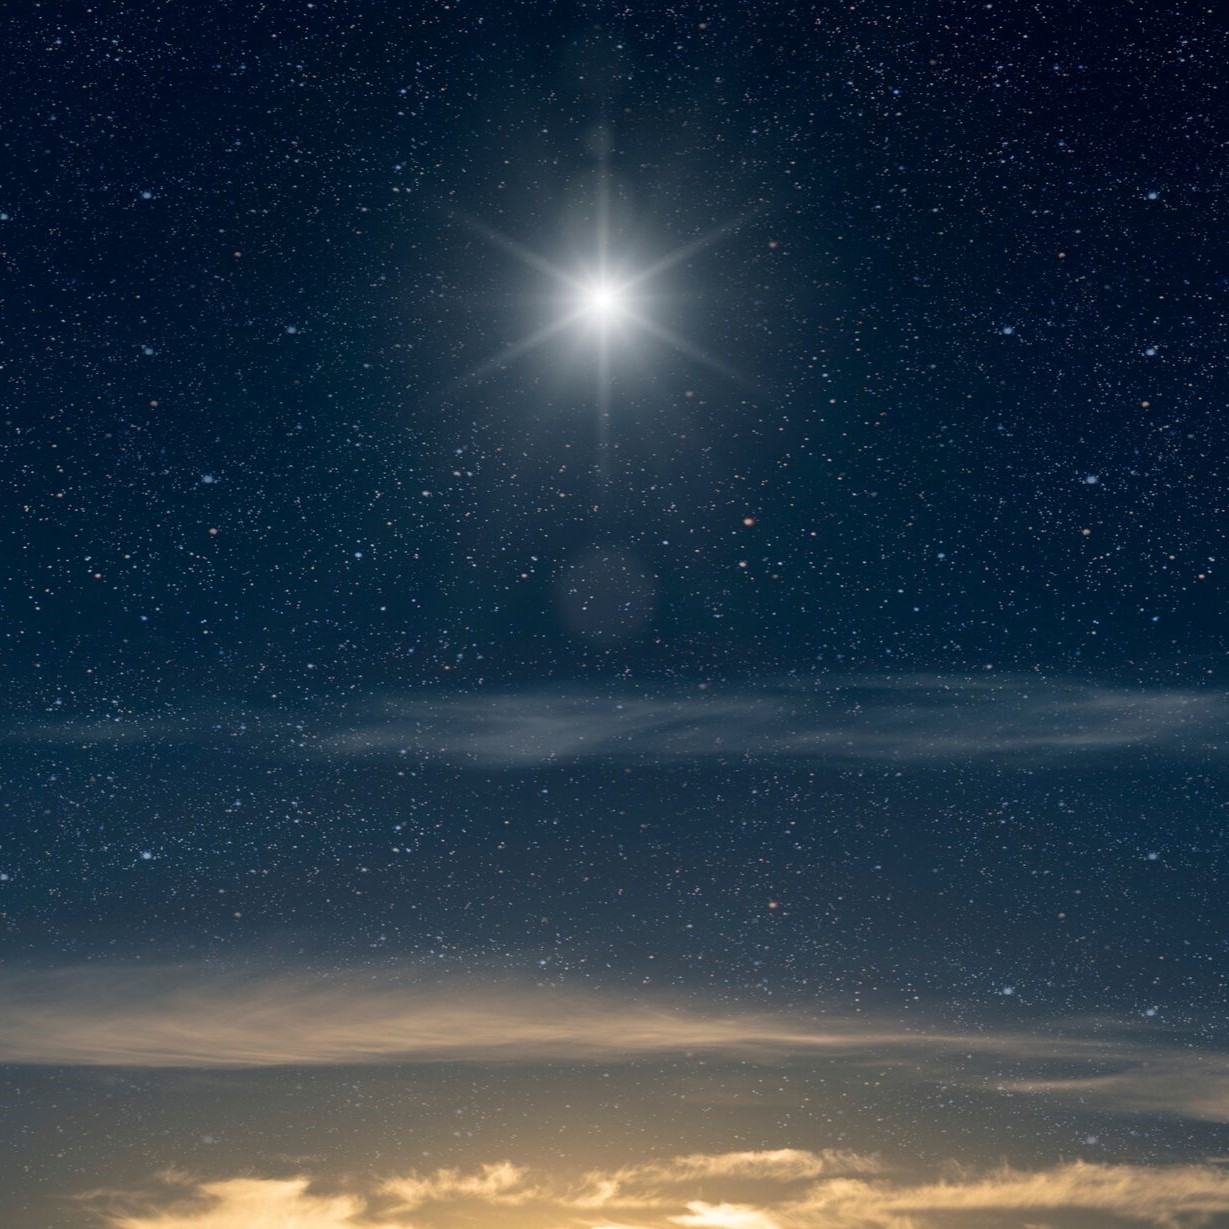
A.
x: 671, y: 259
x: 522, y: 253
x: 680, y: 343
x: 604, y: 300
x: 521, y: 347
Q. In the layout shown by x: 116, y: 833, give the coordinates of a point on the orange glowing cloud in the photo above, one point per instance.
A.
x: 255, y: 1203
x: 501, y: 1193
x: 179, y: 1017
x: 192, y: 1017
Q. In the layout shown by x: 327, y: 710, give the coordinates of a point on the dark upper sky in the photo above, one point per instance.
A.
x: 846, y: 639
x: 977, y: 300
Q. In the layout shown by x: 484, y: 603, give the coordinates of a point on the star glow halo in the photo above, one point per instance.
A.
x: 601, y: 303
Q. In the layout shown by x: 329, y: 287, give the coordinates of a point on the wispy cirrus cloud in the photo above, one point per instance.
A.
x: 199, y: 1017
x: 1152, y: 1080
x: 193, y: 1017
x: 912, y: 718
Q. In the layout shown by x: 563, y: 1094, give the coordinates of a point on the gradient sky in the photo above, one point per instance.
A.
x: 751, y: 760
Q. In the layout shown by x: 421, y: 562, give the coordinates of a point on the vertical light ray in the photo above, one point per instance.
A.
x: 604, y: 390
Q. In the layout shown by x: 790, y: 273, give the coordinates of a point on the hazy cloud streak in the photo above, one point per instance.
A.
x: 196, y: 1017
x: 913, y: 719
x: 190, y: 1018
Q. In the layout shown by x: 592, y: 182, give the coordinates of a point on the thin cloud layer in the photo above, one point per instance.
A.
x: 746, y: 1190
x: 191, y: 1018
x: 911, y: 718
x: 1190, y: 1082
x: 197, y: 1018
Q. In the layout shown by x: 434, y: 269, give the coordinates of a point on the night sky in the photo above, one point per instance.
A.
x: 612, y: 615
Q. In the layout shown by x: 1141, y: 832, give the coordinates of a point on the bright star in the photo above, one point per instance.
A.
x: 603, y: 302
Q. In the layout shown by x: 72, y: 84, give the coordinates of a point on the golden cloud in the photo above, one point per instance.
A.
x: 502, y: 1193
x: 501, y: 1182
x: 1151, y: 1194
x: 179, y: 1017
x: 190, y: 1017
x: 254, y: 1203
x: 701, y: 1215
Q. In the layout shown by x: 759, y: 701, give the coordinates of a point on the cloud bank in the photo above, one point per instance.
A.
x: 782, y: 1189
